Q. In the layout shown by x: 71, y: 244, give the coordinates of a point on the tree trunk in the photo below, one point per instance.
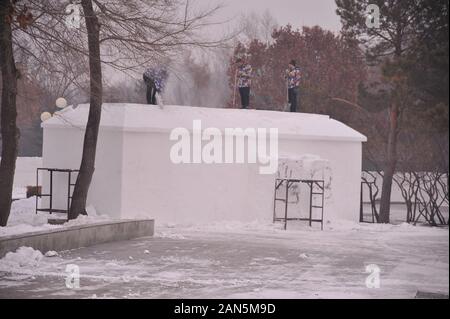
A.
x: 9, y: 130
x: 80, y: 192
x: 390, y: 167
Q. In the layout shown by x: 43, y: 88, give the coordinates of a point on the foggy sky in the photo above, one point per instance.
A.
x: 298, y: 13
x: 295, y: 12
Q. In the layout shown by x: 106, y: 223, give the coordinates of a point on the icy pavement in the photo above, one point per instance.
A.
x: 241, y: 261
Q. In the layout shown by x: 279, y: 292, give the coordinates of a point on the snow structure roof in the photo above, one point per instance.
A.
x: 152, y: 118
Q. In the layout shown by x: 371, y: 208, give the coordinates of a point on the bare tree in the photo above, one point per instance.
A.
x: 432, y: 194
x: 370, y: 179
x: 9, y: 130
x: 253, y: 26
x: 409, y: 188
x: 80, y: 193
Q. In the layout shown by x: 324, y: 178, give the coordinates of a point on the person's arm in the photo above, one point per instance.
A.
x: 239, y: 72
x: 249, y: 71
x: 299, y: 75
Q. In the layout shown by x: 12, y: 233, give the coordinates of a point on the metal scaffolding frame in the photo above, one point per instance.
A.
x: 51, y: 171
x: 318, y: 184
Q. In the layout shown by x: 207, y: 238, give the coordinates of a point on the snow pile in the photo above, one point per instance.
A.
x: 51, y: 253
x: 22, y: 257
x: 92, y: 217
x: 19, y: 192
x: 23, y: 219
x: 307, y: 166
x: 23, y: 212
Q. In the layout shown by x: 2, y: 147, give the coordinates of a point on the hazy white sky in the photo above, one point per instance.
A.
x: 298, y: 13
x: 295, y: 12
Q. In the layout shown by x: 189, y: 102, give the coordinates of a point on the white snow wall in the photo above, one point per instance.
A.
x: 134, y: 177
x: 189, y: 193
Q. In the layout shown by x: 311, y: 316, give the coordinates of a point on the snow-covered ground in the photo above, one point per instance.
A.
x: 23, y: 218
x: 235, y: 260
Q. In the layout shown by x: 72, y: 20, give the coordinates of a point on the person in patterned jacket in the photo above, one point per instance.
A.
x: 293, y: 77
x: 244, y: 75
x: 155, y: 79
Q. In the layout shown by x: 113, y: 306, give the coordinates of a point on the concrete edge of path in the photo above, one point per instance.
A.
x: 73, y: 237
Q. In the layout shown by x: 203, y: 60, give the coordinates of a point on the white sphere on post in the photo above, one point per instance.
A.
x: 61, y: 103
x: 45, y: 116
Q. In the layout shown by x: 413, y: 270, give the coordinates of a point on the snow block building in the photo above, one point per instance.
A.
x: 140, y: 171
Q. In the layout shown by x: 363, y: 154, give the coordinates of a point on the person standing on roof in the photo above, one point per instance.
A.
x: 155, y: 80
x: 244, y: 75
x: 293, y: 77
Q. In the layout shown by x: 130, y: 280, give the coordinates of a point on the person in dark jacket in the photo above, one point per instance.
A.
x: 155, y: 79
x: 244, y: 75
x: 293, y: 77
